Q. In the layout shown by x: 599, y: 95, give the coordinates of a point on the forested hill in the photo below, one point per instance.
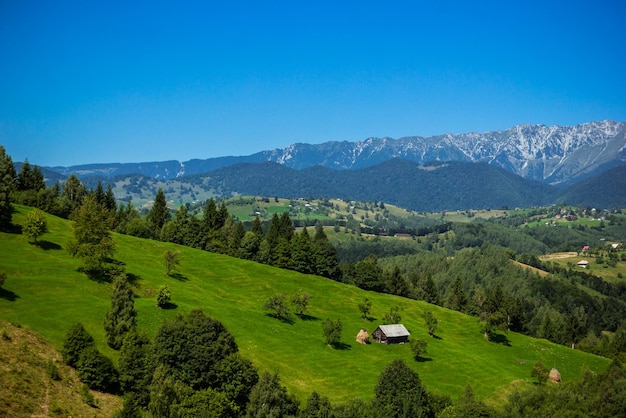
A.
x: 606, y: 190
x: 438, y: 186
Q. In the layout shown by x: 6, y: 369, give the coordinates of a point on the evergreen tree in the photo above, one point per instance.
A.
x: 300, y: 259
x: 250, y: 245
x: 324, y: 256
x: 7, y: 185
x: 456, y: 299
x: 285, y: 227
x: 257, y: 228
x: 431, y: 322
x: 76, y: 340
x: 122, y: 317
x: 396, y: 283
x: 97, y: 371
x: 93, y: 243
x: 109, y: 203
x: 159, y: 214
x: 210, y: 219
x: 99, y: 194
x: 72, y: 195
x: 273, y: 231
x: 135, y: 366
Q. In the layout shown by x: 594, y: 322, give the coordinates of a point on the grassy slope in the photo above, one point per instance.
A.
x: 49, y: 295
x: 28, y: 390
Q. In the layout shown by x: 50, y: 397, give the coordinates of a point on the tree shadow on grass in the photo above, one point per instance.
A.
x: 12, y: 229
x: 132, y: 278
x: 423, y: 359
x: 169, y: 306
x: 341, y: 346
x: 8, y: 295
x: 306, y: 317
x: 436, y: 337
x: 47, y: 245
x: 500, y: 339
x: 286, y: 319
x: 178, y: 277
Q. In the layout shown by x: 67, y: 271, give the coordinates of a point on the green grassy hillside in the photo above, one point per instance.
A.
x: 45, y: 292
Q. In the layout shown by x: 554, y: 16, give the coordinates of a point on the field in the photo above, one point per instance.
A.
x: 45, y: 292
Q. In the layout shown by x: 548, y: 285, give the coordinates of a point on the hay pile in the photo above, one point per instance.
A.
x: 554, y: 376
x: 363, y: 337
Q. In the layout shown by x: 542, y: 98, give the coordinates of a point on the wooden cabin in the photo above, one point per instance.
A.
x: 391, y: 334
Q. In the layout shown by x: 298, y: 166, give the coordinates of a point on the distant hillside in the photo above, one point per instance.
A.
x: 433, y: 187
x: 606, y: 190
x: 558, y: 155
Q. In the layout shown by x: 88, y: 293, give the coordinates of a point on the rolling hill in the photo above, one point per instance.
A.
x: 45, y: 292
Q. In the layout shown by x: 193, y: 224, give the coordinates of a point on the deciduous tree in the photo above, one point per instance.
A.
x: 36, y: 224
x: 331, y: 330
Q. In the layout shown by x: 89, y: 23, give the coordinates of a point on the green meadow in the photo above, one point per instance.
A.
x: 45, y: 292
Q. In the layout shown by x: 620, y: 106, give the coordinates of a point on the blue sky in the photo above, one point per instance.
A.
x: 82, y: 82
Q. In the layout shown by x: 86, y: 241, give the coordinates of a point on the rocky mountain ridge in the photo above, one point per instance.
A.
x: 555, y: 155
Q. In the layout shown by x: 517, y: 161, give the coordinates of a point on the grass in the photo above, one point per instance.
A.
x: 30, y: 388
x: 45, y: 292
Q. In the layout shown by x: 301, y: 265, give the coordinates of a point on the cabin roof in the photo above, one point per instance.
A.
x: 394, y: 330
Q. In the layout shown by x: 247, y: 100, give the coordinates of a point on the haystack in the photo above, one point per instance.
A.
x: 554, y: 376
x: 363, y: 337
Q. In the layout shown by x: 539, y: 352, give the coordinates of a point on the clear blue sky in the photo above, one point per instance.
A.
x: 165, y: 80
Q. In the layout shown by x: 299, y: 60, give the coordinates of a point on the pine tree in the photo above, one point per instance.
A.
x: 122, y: 317
x: 300, y: 259
x: 159, y: 214
x: 93, y: 239
x: 76, y: 340
x: 7, y: 185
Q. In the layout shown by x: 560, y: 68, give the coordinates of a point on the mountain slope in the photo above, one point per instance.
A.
x: 434, y: 187
x: 606, y: 190
x: 551, y: 154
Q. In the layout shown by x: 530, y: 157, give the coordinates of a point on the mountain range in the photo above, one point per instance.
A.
x: 524, y: 166
x: 553, y: 155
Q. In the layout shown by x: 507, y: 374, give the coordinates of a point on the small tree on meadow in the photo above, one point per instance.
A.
x: 36, y: 224
x: 365, y: 308
x: 540, y: 372
x: 300, y: 302
x: 171, y: 260
x: 277, y: 305
x: 393, y: 317
x: 418, y: 347
x: 431, y: 322
x: 332, y: 331
x: 164, y: 296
